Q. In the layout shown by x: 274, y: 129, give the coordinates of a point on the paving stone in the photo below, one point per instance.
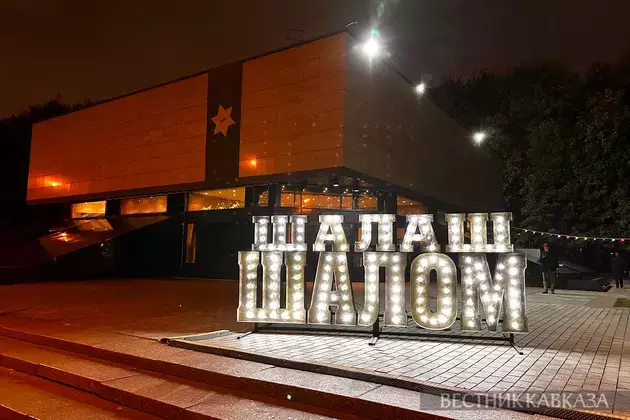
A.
x: 46, y: 400
x: 316, y: 381
x: 227, y: 406
x: 576, y: 340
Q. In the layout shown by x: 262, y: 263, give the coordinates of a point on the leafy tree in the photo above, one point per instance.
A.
x: 564, y: 139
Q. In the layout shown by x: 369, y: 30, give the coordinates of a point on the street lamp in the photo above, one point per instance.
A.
x: 420, y: 88
x: 479, y: 137
x: 371, y: 48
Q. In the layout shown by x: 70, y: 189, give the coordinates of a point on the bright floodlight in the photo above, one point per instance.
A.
x: 371, y: 48
x: 479, y: 137
x: 420, y: 88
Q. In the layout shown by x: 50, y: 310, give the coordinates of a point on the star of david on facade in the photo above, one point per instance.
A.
x: 222, y: 121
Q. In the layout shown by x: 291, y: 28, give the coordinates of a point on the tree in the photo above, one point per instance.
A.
x: 564, y: 140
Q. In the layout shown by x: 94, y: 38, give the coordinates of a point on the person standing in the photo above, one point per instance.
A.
x: 549, y: 262
x: 616, y: 266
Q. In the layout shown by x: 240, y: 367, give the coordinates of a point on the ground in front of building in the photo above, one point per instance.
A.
x: 578, y: 341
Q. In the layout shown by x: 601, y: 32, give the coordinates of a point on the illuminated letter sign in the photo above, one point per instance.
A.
x: 446, y: 273
x: 332, y: 288
x: 394, y: 263
x: 501, y: 296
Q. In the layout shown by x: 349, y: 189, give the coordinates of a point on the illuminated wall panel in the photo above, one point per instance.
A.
x: 293, y: 109
x: 153, y: 138
x: 323, y: 105
x: 393, y: 134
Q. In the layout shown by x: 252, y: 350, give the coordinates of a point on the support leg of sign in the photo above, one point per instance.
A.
x: 513, y: 344
x: 376, y: 332
x: 249, y: 332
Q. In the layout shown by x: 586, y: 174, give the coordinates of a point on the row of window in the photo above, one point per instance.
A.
x: 303, y: 200
x: 137, y: 205
x: 234, y: 198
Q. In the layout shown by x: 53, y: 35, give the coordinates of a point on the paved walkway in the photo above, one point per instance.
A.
x: 577, y: 340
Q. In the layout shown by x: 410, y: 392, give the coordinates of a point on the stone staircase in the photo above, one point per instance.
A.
x: 42, y: 380
x: 93, y: 388
x: 24, y: 396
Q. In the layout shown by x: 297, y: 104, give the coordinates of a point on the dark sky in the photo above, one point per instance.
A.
x: 98, y: 49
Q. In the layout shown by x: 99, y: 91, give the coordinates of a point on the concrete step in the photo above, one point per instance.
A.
x: 149, y: 392
x: 24, y: 397
x: 336, y: 396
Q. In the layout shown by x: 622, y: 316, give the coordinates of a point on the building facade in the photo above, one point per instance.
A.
x: 165, y: 181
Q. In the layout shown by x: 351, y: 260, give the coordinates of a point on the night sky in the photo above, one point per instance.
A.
x: 100, y: 49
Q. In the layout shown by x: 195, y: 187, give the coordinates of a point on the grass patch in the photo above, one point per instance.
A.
x: 622, y: 303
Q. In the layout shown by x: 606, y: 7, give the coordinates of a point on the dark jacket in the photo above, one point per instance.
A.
x: 549, y: 260
x: 617, y: 265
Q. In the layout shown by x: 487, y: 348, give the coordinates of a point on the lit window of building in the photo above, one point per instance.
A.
x: 309, y: 199
x: 88, y: 209
x: 366, y: 201
x: 320, y: 201
x: 144, y: 205
x: 291, y: 198
x: 223, y: 199
x: 407, y: 206
x: 263, y: 199
x: 346, y: 201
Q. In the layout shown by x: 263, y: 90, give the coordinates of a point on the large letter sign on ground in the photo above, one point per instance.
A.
x: 507, y: 290
x: 425, y: 237
x: 270, y: 310
x: 478, y: 232
x: 331, y: 230
x: 502, y: 295
x: 446, y: 272
x: 395, y: 313
x: 332, y: 270
x: 385, y: 232
x: 279, y: 225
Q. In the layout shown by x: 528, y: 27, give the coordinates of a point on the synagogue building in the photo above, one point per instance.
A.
x: 165, y: 181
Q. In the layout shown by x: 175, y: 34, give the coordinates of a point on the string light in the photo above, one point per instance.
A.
x: 571, y: 237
